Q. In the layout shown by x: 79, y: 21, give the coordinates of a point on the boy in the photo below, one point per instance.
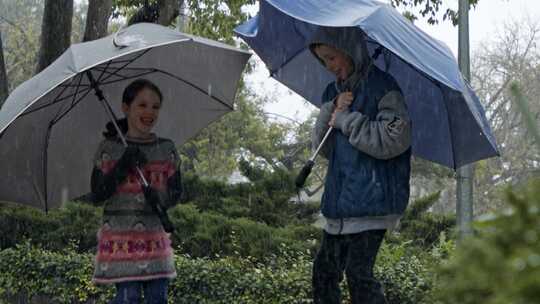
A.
x: 367, y: 184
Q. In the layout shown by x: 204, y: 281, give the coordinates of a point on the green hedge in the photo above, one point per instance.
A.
x: 65, y: 277
x: 75, y: 222
x: 201, y: 234
x: 501, y: 264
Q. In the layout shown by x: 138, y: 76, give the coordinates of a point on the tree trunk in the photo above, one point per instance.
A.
x: 99, y: 12
x: 162, y: 12
x: 3, y: 75
x: 55, y: 31
x: 168, y: 10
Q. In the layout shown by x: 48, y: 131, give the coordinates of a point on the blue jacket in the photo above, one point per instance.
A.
x: 357, y: 184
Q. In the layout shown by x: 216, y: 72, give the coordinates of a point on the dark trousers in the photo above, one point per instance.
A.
x: 355, y: 255
x: 155, y: 292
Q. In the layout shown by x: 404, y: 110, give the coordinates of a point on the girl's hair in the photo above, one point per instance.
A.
x: 130, y: 92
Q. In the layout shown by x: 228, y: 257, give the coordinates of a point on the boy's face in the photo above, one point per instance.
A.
x: 336, y: 61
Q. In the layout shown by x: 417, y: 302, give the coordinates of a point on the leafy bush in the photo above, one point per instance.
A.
x: 285, y: 278
x: 266, y: 199
x: 204, y: 234
x: 74, y: 222
x: 502, y: 263
x: 64, y: 277
x: 422, y: 227
x: 201, y: 234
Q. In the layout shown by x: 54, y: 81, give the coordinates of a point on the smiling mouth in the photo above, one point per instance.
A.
x: 147, y: 121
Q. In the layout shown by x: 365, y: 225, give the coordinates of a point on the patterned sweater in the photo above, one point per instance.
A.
x: 132, y: 245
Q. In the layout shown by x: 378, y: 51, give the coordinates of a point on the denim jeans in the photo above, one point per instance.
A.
x: 355, y: 255
x: 155, y: 292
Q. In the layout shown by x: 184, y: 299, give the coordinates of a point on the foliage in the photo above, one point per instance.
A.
x: 65, y: 277
x: 207, y: 234
x: 502, y: 263
x: 243, y: 219
x: 266, y: 199
x: 429, y: 9
x: 216, y: 19
x: 421, y: 227
x: 245, y: 133
x: 74, y: 222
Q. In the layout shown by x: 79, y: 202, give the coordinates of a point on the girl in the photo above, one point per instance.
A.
x: 134, y: 251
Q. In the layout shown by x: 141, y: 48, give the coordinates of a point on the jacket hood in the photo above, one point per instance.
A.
x: 349, y: 40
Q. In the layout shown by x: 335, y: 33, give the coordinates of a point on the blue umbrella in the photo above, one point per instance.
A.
x: 448, y: 120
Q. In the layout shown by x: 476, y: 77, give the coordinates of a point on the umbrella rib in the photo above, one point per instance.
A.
x: 123, y: 77
x: 54, y: 120
x: 273, y: 72
x: 53, y: 102
x: 72, y: 106
x: 65, y: 86
x: 74, y: 102
x: 454, y: 164
x: 108, y: 64
x: 196, y: 87
x: 127, y: 62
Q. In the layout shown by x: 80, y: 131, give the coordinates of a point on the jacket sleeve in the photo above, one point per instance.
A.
x: 103, y: 185
x: 174, y: 184
x: 388, y: 136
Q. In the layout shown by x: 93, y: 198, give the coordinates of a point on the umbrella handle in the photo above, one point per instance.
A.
x: 306, y: 170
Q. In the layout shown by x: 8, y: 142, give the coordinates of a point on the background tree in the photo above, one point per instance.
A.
x: 511, y: 56
x: 55, y: 31
x: 156, y: 11
x: 20, y: 22
x: 3, y: 75
x: 97, y: 19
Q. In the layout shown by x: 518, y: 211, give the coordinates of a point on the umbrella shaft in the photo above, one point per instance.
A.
x: 321, y: 144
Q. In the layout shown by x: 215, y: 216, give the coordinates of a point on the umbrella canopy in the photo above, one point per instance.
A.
x: 51, y: 125
x: 448, y: 121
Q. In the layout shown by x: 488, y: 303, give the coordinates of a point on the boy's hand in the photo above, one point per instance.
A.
x: 332, y: 119
x: 344, y: 100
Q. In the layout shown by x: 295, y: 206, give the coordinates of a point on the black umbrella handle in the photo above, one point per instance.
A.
x: 306, y: 170
x: 304, y: 173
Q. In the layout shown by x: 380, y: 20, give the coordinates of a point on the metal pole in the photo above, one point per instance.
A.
x: 465, y: 174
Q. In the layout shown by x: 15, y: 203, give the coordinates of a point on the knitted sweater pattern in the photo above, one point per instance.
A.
x: 132, y: 245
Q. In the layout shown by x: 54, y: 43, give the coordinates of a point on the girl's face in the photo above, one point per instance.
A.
x: 335, y: 61
x: 142, y: 114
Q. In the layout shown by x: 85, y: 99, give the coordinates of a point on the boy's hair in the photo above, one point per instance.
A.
x: 313, y: 47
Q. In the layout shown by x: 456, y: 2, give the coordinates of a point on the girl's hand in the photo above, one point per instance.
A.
x: 344, y: 101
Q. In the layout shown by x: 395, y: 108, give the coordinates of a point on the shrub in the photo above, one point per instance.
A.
x: 421, y: 226
x: 75, y: 222
x: 286, y: 278
x: 502, y: 263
